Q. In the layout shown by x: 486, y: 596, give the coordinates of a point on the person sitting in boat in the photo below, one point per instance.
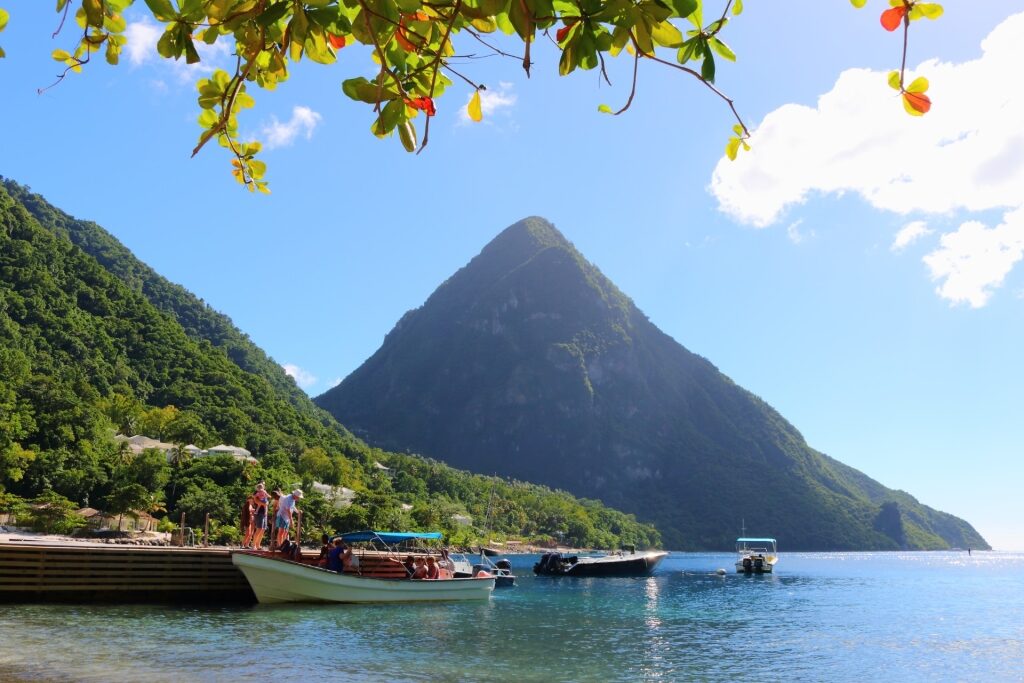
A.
x: 338, y: 556
x: 287, y: 510
x: 325, y: 547
x: 420, y: 570
x: 410, y: 565
x: 432, y: 569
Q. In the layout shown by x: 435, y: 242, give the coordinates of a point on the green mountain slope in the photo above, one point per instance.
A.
x: 530, y: 363
x: 92, y: 340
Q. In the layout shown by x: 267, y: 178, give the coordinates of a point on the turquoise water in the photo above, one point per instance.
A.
x: 834, y: 617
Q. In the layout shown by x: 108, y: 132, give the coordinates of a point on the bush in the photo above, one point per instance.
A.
x: 52, y: 513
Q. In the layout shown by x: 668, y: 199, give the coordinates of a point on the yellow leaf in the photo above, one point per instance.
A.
x: 894, y: 80
x: 919, y: 84
x: 732, y: 147
x: 474, y: 109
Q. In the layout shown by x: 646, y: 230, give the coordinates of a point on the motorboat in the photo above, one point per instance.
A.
x: 756, y: 555
x: 623, y: 563
x: 371, y: 575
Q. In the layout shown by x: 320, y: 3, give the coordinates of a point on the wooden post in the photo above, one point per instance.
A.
x: 181, y: 530
x: 206, y: 531
x: 298, y: 529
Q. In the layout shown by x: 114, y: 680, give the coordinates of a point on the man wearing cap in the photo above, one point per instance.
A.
x: 286, y: 511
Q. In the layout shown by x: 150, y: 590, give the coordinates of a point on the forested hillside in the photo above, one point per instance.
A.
x: 531, y: 363
x: 93, y: 342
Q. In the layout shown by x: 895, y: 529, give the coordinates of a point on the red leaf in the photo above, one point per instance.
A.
x: 425, y: 104
x: 403, y: 41
x: 918, y: 101
x: 892, y: 18
x: 337, y: 42
x: 560, y: 33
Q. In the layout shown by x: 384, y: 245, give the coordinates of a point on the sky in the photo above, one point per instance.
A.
x: 858, y: 269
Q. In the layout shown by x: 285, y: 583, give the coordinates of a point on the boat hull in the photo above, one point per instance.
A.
x: 636, y: 564
x: 279, y: 581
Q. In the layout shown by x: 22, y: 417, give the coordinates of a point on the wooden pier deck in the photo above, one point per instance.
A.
x: 72, y: 572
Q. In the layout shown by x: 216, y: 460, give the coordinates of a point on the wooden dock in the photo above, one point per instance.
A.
x: 72, y: 572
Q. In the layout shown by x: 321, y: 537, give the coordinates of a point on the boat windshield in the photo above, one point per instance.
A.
x: 389, y: 537
x: 764, y: 546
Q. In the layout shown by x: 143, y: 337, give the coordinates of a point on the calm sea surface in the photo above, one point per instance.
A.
x: 822, y: 617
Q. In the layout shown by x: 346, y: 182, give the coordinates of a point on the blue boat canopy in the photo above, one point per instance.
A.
x: 755, y: 540
x: 389, y: 537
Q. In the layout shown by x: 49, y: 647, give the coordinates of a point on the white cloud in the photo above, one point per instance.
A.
x: 335, y: 382
x: 966, y: 153
x: 795, y: 235
x: 302, y: 377
x: 909, y: 233
x: 143, y: 36
x: 282, y: 134
x: 492, y: 100
x: 975, y: 259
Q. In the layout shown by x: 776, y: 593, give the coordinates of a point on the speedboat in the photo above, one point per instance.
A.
x: 623, y: 563
x: 370, y: 576
x: 756, y: 555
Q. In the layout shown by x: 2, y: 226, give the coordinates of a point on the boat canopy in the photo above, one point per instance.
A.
x: 389, y: 537
x: 755, y: 540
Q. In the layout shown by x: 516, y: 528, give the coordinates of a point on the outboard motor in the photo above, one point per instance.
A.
x: 758, y: 563
x: 747, y: 564
x: 503, y: 564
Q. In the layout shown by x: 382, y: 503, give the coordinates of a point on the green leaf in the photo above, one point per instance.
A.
x: 208, y: 118
x: 191, y: 55
x: 407, y: 134
x: 684, y: 8
x: 707, y: 68
x: 858, y: 3
x: 162, y: 10
x: 93, y: 12
x: 737, y: 8
x: 722, y: 49
x: 666, y: 35
x: 166, y: 46
x: 604, y: 109
x: 273, y: 13
x: 928, y: 10
x: 4, y: 17
x: 61, y: 55
x: 894, y: 80
x: 362, y: 90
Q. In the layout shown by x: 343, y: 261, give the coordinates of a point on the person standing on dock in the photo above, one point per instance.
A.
x: 286, y: 512
x: 259, y: 522
x: 246, y: 521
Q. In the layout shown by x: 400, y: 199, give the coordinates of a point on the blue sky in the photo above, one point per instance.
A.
x: 859, y: 270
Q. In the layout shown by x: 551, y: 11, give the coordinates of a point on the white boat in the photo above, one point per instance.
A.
x: 372, y: 576
x: 756, y: 555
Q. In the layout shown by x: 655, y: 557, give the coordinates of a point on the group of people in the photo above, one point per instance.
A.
x: 428, y: 568
x: 257, y: 509
x: 259, y: 506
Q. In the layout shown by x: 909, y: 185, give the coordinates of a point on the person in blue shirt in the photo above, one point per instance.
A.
x: 338, y: 556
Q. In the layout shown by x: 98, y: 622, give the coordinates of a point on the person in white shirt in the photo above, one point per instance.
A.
x: 286, y: 511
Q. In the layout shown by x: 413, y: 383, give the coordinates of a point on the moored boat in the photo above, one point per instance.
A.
x: 624, y: 563
x: 756, y: 555
x: 370, y: 577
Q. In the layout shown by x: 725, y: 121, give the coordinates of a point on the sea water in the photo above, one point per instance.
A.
x: 942, y: 616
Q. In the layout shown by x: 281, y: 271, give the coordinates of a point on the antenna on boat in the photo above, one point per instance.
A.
x: 743, y: 527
